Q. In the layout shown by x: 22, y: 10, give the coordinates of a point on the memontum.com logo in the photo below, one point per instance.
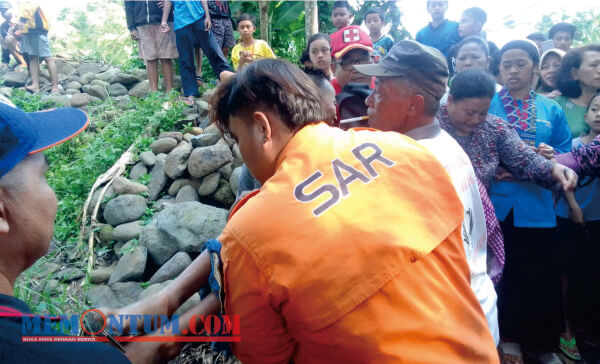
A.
x: 155, y: 328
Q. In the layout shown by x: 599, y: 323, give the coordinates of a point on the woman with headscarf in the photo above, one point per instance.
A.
x: 549, y: 65
x: 530, y: 309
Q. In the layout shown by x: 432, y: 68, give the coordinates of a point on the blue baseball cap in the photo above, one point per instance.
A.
x: 23, y: 134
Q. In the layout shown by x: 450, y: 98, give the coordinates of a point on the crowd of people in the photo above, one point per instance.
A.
x: 461, y: 225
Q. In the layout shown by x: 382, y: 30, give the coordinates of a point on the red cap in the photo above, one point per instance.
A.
x: 349, y: 38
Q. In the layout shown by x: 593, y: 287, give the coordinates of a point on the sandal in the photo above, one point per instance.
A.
x: 188, y: 102
x: 510, y: 353
x: 569, y: 348
x: 199, y: 80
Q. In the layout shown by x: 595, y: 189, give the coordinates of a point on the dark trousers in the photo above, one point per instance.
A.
x: 194, y: 35
x: 529, y: 295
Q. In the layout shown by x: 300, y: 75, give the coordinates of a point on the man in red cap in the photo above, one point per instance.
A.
x: 350, y: 46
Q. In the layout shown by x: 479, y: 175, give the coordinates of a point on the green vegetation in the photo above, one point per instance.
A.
x: 587, y: 23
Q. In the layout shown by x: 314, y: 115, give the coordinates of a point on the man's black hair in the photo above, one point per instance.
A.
x: 269, y: 85
x: 565, y: 82
x: 472, y: 83
x: 478, y: 14
x: 304, y: 57
x: 342, y: 4
x: 246, y: 16
x: 377, y: 11
x: 475, y: 40
x: 562, y: 27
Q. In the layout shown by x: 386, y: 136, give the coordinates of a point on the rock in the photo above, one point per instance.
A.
x: 177, y: 135
x: 161, y: 157
x: 161, y: 247
x: 212, y: 129
x: 116, y: 90
x: 187, y: 194
x: 188, y: 137
x: 100, y: 83
x: 234, y: 180
x: 164, y: 202
x: 203, y: 122
x: 122, y: 102
x: 96, y: 196
x: 237, y: 156
x: 139, y: 73
x: 137, y: 171
x: 203, y: 107
x: 193, y: 301
x: 190, y: 224
x: 172, y: 268
x: 194, y: 130
x: 6, y: 91
x: 86, y: 78
x: 61, y: 100
x: 90, y: 67
x: 226, y: 170
x: 122, y: 247
x: 205, y: 140
x: 15, y: 79
x: 127, y: 231
x: 127, y: 292
x: 164, y: 145
x: 141, y: 89
x: 124, y: 79
x: 176, y: 162
x: 71, y: 91
x: 46, y: 269
x: 131, y: 266
x: 101, y: 275
x: 224, y: 194
x: 123, y: 186
x: 102, y: 296
x: 74, y: 85
x: 106, y: 76
x: 158, y: 180
x: 106, y: 234
x: 180, y: 183
x: 209, y: 184
x: 51, y: 286
x: 64, y: 67
x: 95, y: 91
x: 124, y: 208
x: 208, y: 94
x: 148, y: 158
x: 205, y: 160
x: 45, y: 74
x: 69, y: 274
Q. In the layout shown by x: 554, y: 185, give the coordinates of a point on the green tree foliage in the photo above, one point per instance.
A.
x: 587, y: 23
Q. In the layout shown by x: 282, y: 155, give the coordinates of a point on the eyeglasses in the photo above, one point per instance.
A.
x: 348, y: 65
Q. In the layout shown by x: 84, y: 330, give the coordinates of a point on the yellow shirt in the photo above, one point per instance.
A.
x: 259, y: 49
x: 33, y: 17
x: 352, y: 253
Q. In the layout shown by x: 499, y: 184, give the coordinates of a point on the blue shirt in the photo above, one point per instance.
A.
x: 587, y: 195
x: 443, y: 37
x: 532, y: 205
x: 186, y: 12
x: 383, y: 45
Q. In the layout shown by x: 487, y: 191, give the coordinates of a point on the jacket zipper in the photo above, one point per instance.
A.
x: 147, y: 12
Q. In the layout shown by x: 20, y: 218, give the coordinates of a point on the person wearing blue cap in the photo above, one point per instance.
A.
x: 27, y: 211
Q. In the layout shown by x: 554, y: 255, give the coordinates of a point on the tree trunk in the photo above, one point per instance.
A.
x: 311, y: 18
x: 264, y: 20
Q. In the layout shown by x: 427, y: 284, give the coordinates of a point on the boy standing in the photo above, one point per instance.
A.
x: 192, y: 27
x: 8, y: 41
x: 472, y: 22
x: 249, y: 49
x: 143, y: 22
x: 35, y: 44
x: 441, y: 33
x: 375, y: 20
x: 562, y: 35
x: 341, y: 14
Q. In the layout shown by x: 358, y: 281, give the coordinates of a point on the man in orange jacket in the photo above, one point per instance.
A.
x: 309, y: 264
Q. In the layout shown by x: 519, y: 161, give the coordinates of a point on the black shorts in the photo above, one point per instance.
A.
x: 222, y: 29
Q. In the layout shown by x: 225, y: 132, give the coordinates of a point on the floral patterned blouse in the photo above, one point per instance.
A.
x: 492, y: 144
x: 584, y: 160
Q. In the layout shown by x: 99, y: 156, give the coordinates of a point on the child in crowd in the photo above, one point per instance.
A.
x: 375, y: 21
x: 341, y: 14
x: 319, y: 52
x: 143, y: 22
x: 580, y: 238
x: 441, y: 33
x: 539, y: 39
x: 222, y: 29
x: 249, y: 49
x: 305, y: 59
x: 192, y: 24
x: 8, y: 41
x: 472, y: 22
x: 562, y: 35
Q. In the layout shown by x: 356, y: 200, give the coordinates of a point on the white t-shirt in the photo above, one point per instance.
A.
x: 457, y: 163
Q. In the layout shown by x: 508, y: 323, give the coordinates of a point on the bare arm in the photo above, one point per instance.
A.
x: 165, y: 16
x: 207, y: 22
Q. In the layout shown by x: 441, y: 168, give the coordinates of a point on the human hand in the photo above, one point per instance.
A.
x: 164, y: 27
x: 545, y: 151
x: 576, y: 215
x: 134, y: 35
x: 503, y: 175
x: 554, y: 94
x: 160, y: 4
x: 565, y: 176
x: 207, y: 23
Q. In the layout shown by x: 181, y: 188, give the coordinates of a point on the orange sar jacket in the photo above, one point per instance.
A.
x: 351, y: 253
